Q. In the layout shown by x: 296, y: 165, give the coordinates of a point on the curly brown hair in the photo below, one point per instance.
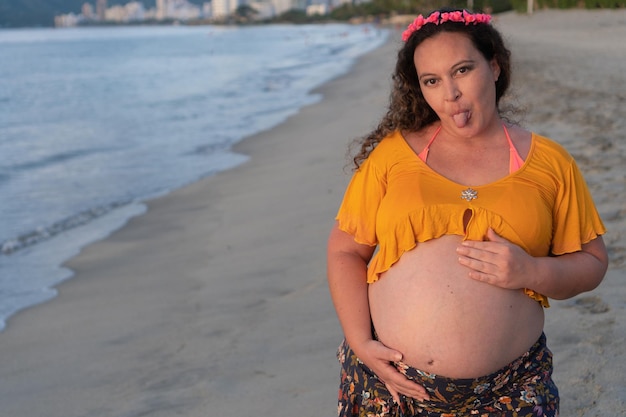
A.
x: 408, y: 110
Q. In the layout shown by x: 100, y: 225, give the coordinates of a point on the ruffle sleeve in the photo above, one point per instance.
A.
x: 576, y: 219
x: 358, y: 210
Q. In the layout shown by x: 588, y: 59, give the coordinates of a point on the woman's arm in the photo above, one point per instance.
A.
x: 502, y: 263
x: 571, y: 274
x: 347, y: 268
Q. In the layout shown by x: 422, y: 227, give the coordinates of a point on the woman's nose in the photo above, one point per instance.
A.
x: 452, y: 92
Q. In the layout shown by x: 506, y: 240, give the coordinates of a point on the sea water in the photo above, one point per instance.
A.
x: 94, y: 121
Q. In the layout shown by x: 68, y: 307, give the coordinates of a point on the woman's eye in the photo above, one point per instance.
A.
x: 430, y: 82
x: 463, y: 70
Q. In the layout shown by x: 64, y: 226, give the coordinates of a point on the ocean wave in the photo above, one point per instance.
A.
x: 55, y: 159
x: 47, y: 232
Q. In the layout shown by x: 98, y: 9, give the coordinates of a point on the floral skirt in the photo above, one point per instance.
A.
x: 523, y: 388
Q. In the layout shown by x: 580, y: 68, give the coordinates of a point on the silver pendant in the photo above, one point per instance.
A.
x: 469, y: 194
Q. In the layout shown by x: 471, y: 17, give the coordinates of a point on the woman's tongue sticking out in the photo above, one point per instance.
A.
x: 461, y: 119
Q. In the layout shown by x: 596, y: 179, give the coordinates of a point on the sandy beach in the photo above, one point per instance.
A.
x: 214, y: 303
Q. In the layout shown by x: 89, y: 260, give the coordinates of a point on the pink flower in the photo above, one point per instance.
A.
x: 407, y: 34
x: 469, y: 18
x: 456, y: 16
x: 418, y: 22
x: 433, y: 18
x: 415, y: 25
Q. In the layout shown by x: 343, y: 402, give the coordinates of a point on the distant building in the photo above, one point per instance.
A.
x: 223, y: 8
x: 316, y: 9
x: 161, y: 9
x: 264, y: 9
x: 131, y: 12
x: 183, y: 10
x: 177, y: 9
x: 207, y: 9
x: 299, y: 4
x: 67, y: 20
x: 115, y: 14
x: 281, y: 6
x: 101, y: 9
x: 87, y: 11
x: 134, y: 11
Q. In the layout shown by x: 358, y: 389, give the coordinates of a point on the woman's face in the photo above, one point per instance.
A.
x: 457, y: 82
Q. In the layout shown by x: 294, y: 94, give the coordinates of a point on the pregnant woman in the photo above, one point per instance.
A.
x: 455, y: 230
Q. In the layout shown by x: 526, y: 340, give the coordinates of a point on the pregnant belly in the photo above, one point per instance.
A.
x: 444, y: 322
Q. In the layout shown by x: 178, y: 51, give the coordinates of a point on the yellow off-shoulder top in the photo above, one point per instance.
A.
x: 394, y: 201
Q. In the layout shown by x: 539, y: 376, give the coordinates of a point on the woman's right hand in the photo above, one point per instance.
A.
x: 379, y: 358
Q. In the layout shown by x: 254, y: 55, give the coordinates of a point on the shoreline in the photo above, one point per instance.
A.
x: 214, y: 302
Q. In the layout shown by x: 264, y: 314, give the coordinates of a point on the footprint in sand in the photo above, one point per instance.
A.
x: 591, y: 305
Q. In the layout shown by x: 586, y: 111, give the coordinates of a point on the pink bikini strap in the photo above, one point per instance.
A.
x: 424, y: 154
x: 515, y: 160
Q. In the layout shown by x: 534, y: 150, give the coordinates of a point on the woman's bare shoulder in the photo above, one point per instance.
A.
x: 420, y: 138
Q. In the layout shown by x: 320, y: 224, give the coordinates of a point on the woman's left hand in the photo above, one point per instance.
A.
x: 496, y: 261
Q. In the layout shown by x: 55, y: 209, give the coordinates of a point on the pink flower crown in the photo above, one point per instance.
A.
x: 442, y: 17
